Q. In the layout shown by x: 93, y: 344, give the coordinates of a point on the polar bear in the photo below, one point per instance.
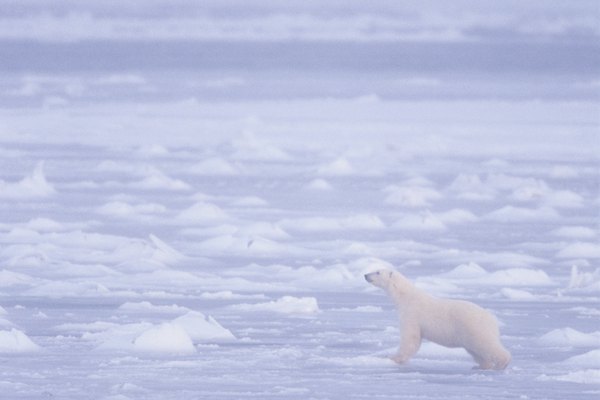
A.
x: 451, y: 323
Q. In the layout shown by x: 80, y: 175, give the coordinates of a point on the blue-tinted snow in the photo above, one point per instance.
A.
x: 190, y: 196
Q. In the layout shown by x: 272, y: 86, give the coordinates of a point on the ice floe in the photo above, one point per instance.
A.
x: 569, y: 337
x: 15, y: 341
x: 166, y: 338
x: 32, y: 186
x: 284, y: 305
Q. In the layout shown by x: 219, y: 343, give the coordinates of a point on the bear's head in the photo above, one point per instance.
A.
x: 380, y: 278
x: 391, y: 281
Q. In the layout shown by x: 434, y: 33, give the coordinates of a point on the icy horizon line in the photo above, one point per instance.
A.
x: 82, y: 26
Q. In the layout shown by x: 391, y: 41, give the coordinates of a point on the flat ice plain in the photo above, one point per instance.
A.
x: 202, y: 231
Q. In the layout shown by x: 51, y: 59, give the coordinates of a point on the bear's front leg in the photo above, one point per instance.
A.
x: 410, y: 341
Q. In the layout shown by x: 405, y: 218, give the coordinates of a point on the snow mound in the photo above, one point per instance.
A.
x: 511, y: 214
x: 585, y: 360
x: 563, y: 172
x: 580, y: 250
x: 158, y: 180
x: 45, y: 225
x: 467, y: 271
x: 125, y: 210
x: 152, y: 150
x: 32, y: 186
x: 164, y: 253
x: 411, y: 196
x: 250, y: 201
x: 10, y: 278
x: 564, y: 199
x: 146, y: 306
x: 245, y: 244
x: 15, y: 341
x: 587, y: 376
x: 167, y: 338
x: 284, y: 305
x: 319, y: 184
x: 568, y: 337
x: 425, y: 221
x: 203, y: 328
x: 428, y: 221
x: 367, y: 361
x: 337, y: 167
x: 584, y: 281
x: 473, y: 274
x: 575, y: 232
x: 202, y: 213
x: 250, y: 147
x: 517, y: 294
x: 215, y: 166
x: 323, y: 224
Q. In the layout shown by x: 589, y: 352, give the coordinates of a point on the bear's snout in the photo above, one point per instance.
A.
x: 369, y: 277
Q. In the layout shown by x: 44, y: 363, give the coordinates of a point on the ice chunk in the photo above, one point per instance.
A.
x: 318, y: 224
x: 319, y: 184
x: 337, y: 167
x: 250, y: 201
x: 250, y: 147
x: 586, y: 360
x: 9, y: 278
x: 32, y: 186
x: 202, y: 213
x: 564, y: 199
x: 15, y: 341
x: 517, y: 294
x: 214, y: 166
x: 125, y: 210
x: 576, y: 232
x: 586, y: 376
x: 153, y: 150
x: 284, y: 305
x: 570, y: 337
x: 167, y: 338
x: 45, y: 225
x: 580, y: 250
x: 467, y: 271
x: 563, y: 172
x: 511, y: 214
x: 158, y: 180
x: 411, y: 196
x: 202, y: 328
x: 473, y: 274
x: 146, y: 306
x: 425, y: 221
x: 585, y: 281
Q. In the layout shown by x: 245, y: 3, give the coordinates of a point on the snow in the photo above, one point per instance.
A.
x: 166, y: 338
x: 284, y: 305
x: 189, y: 200
x: 203, y: 329
x: 15, y: 341
x: 31, y: 186
x: 571, y: 338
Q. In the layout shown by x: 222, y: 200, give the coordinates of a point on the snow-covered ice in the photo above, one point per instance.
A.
x: 190, y: 196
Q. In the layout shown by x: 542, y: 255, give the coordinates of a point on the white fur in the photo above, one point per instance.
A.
x: 451, y: 323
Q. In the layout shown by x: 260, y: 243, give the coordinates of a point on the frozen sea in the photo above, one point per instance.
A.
x: 190, y: 196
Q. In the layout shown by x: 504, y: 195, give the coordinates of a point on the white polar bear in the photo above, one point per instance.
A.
x: 451, y: 323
